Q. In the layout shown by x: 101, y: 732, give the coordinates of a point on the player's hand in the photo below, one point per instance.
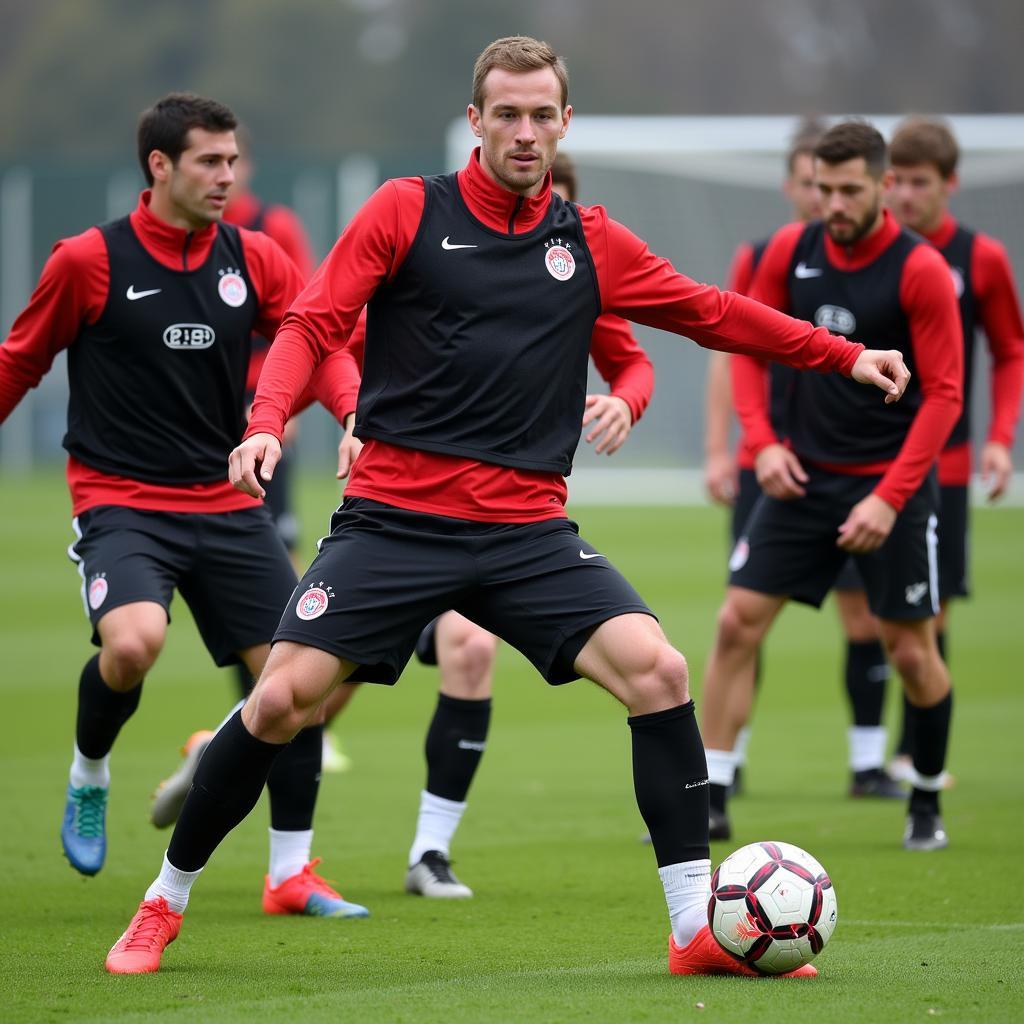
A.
x: 612, y: 422
x: 349, y: 448
x: 867, y: 526
x: 252, y: 461
x: 884, y: 369
x: 779, y: 473
x: 720, y: 480
x: 996, y: 469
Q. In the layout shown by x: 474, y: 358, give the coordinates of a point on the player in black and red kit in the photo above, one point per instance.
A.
x: 734, y: 483
x: 853, y: 479
x: 924, y: 154
x: 156, y: 311
x: 482, y: 291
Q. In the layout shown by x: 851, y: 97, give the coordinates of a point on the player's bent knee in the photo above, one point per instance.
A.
x: 736, y: 627
x: 128, y: 657
x: 910, y: 658
x: 272, y: 713
x: 473, y: 656
x: 666, y: 684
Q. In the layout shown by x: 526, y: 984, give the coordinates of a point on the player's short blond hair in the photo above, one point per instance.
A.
x: 519, y: 54
x: 924, y: 140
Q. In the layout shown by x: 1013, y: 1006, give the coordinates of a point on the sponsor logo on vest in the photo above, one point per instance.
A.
x: 559, y: 261
x: 98, y: 590
x: 835, y: 318
x: 231, y: 287
x: 958, y: 280
x: 739, y: 555
x: 313, y: 602
x: 189, y: 336
x: 803, y: 271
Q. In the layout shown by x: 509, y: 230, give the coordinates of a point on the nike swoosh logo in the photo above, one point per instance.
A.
x: 584, y: 555
x: 445, y: 244
x: 802, y: 270
x: 132, y: 294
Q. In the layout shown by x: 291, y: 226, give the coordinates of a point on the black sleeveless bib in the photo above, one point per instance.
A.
x: 157, y: 383
x: 478, y: 347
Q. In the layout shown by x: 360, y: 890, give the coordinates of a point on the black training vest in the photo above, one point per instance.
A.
x: 157, y: 383
x: 831, y: 418
x: 478, y: 346
x: 958, y: 254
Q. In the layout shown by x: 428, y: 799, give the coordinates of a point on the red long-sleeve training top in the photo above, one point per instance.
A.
x: 998, y: 312
x: 929, y: 303
x: 72, y: 292
x: 633, y: 283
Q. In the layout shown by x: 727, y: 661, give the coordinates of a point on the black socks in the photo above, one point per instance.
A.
x: 101, y: 711
x: 866, y: 673
x: 227, y: 784
x: 930, y: 729
x: 454, y: 745
x: 670, y: 777
x: 294, y: 781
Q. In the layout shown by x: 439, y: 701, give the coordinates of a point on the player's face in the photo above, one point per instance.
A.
x: 802, y: 190
x: 851, y: 199
x: 519, y: 127
x: 195, y: 188
x: 918, y: 196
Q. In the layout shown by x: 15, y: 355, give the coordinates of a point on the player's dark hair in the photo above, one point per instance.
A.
x: 925, y: 140
x: 519, y: 54
x: 806, y: 136
x: 166, y: 124
x: 851, y: 139
x: 563, y: 171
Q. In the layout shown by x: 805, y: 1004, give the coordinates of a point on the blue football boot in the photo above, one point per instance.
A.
x: 83, y: 833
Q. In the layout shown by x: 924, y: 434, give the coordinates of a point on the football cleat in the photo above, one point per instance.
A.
x: 309, y: 894
x: 901, y: 768
x: 432, y: 876
x: 334, y: 758
x: 83, y: 833
x: 153, y: 928
x: 170, y: 794
x: 718, y: 825
x: 925, y: 831
x: 736, y: 789
x: 876, y: 783
x: 703, y: 955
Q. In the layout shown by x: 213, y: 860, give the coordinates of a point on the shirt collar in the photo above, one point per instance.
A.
x: 498, y: 207
x: 174, y: 247
x: 864, y: 250
x: 943, y: 234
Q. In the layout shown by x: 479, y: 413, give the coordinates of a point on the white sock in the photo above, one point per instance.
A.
x: 438, y: 819
x: 687, y: 891
x: 86, y: 771
x: 721, y: 767
x: 173, y: 885
x: 867, y: 747
x: 289, y: 854
x: 739, y: 748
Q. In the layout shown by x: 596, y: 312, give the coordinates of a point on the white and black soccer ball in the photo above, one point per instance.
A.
x: 772, y: 907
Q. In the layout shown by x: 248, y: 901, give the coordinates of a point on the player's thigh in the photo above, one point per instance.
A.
x: 545, y: 590
x: 954, y: 548
x: 630, y: 656
x: 239, y: 582
x: 126, y: 557
x: 380, y: 577
x: 788, y: 548
x: 902, y: 577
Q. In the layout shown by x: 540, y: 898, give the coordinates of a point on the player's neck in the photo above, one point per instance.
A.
x: 161, y: 207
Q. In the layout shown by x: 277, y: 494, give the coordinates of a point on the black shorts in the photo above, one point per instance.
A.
x: 230, y: 567
x: 954, y: 578
x: 849, y: 577
x: 384, y: 573
x: 789, y: 548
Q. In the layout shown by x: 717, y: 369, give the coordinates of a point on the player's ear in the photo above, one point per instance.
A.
x: 566, y: 118
x: 160, y: 165
x: 474, y: 116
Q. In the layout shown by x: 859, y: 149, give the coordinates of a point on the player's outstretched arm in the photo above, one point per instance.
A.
x: 883, y: 368
x: 252, y: 461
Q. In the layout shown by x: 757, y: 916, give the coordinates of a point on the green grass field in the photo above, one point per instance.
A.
x: 569, y: 922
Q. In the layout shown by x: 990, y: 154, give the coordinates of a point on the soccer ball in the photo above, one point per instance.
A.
x: 772, y: 907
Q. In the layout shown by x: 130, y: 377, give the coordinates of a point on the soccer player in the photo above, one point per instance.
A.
x: 853, y: 479
x: 923, y: 155
x: 482, y: 290
x: 733, y: 482
x: 156, y: 311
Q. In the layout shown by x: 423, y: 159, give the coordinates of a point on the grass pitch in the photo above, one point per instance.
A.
x: 569, y: 922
